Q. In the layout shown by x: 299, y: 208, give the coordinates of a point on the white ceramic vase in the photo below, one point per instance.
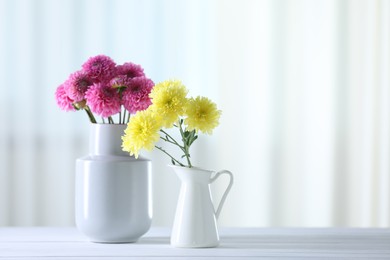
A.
x: 195, y: 223
x: 113, y: 201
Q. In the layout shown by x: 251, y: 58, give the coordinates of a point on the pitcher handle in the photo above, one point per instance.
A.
x: 219, y: 208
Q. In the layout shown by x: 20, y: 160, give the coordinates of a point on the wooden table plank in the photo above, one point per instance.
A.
x: 236, y: 243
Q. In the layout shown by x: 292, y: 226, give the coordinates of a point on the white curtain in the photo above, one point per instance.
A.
x: 303, y: 86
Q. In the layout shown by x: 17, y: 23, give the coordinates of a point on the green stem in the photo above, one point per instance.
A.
x: 162, y: 150
x: 173, y: 139
x: 186, y: 147
x: 124, y: 116
x: 128, y: 118
x: 90, y: 115
x: 169, y: 141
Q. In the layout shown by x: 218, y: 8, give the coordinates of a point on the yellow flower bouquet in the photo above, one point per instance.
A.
x: 170, y: 108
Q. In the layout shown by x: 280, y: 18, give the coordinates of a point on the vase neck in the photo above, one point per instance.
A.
x: 106, y: 139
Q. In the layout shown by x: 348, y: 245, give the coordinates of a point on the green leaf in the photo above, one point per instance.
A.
x: 193, y: 140
x: 75, y: 107
x: 188, y: 141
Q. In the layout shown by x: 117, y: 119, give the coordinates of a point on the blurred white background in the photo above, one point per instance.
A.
x: 303, y: 86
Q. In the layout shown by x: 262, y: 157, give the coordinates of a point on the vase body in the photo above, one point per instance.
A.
x: 195, y: 223
x: 113, y: 202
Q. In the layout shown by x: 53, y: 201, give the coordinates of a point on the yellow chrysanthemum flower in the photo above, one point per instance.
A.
x: 142, y: 132
x: 202, y: 114
x: 169, y: 100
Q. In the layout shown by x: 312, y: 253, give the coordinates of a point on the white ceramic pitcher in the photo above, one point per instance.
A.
x: 195, y: 223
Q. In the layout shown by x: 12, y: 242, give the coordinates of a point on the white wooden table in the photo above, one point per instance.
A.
x: 236, y: 243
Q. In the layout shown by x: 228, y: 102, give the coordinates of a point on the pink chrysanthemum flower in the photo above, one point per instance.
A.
x: 120, y: 81
x: 103, y: 100
x: 136, y: 96
x: 62, y: 98
x: 100, y: 68
x: 130, y: 70
x: 78, y: 84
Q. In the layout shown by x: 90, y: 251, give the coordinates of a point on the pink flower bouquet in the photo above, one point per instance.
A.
x: 105, y: 89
